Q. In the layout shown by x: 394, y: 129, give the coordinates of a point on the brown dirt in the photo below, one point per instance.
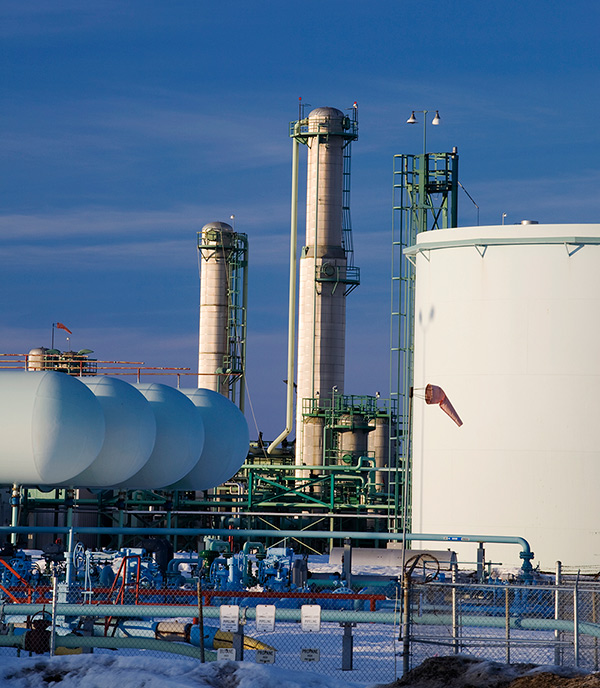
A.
x: 549, y: 680
x: 468, y: 672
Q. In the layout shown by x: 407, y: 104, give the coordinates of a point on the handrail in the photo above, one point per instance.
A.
x: 121, y: 594
x: 27, y: 584
x: 570, y: 240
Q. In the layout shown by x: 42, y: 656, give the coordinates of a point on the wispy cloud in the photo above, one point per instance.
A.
x: 127, y: 128
x: 95, y: 221
x: 95, y: 238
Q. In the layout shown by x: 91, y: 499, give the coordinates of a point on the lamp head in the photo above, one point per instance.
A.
x: 436, y: 120
x: 412, y: 119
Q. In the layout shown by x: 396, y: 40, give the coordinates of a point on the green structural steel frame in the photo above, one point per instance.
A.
x: 425, y: 197
x: 272, y: 495
x: 232, y: 373
x: 344, y: 412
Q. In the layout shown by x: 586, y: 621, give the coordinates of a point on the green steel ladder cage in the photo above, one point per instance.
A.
x: 424, y: 198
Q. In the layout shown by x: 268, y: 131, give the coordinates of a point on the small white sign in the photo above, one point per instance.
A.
x: 311, y: 618
x: 229, y: 618
x: 310, y: 654
x: 226, y: 653
x: 265, y: 618
x: 265, y: 656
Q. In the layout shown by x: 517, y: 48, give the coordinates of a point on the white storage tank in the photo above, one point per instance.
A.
x: 226, y: 441
x: 51, y: 427
x: 129, y: 437
x: 179, y: 438
x: 506, y: 322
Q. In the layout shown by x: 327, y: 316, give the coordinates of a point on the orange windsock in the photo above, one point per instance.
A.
x: 436, y: 395
x: 60, y: 326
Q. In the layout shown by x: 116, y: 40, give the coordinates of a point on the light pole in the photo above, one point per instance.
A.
x: 435, y: 121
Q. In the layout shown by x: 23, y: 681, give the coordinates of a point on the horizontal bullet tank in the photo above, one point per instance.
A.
x: 102, y: 432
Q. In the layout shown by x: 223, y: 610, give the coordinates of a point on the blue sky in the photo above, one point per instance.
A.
x: 126, y: 126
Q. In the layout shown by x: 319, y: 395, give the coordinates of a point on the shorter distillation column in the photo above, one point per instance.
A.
x: 378, y: 445
x: 221, y: 348
x: 323, y: 280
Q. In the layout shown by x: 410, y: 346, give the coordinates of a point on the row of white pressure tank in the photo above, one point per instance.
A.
x: 102, y: 432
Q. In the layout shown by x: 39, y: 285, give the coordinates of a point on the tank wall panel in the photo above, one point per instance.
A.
x: 512, y: 337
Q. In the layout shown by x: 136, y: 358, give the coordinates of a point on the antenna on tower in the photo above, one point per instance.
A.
x: 301, y: 108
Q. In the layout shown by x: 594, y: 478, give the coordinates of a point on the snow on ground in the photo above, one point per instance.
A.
x: 100, y: 671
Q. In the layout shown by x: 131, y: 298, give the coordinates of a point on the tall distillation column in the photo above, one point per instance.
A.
x: 324, y: 277
x: 223, y: 288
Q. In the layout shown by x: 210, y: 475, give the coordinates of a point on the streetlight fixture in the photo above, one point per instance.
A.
x: 435, y: 121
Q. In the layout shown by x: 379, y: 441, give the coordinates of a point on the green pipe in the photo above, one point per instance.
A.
x: 519, y: 623
x: 248, y: 545
x: 289, y: 409
x: 242, y: 532
x: 139, y: 643
x: 190, y: 611
x: 313, y: 334
x: 526, y: 554
x: 294, y: 615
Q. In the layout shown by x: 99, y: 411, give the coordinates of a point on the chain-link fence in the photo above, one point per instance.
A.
x: 364, y: 638
x: 329, y: 633
x: 537, y: 624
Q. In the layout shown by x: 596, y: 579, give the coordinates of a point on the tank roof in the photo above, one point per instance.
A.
x: 221, y: 226
x: 325, y: 113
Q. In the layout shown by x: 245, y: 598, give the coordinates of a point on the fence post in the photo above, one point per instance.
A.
x: 406, y: 624
x: 347, y: 646
x: 595, y: 620
x: 238, y: 638
x: 200, y: 613
x: 576, y: 623
x: 455, y: 627
x: 480, y: 563
x: 54, y: 600
x: 347, y: 562
x: 557, y: 634
x: 507, y: 617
